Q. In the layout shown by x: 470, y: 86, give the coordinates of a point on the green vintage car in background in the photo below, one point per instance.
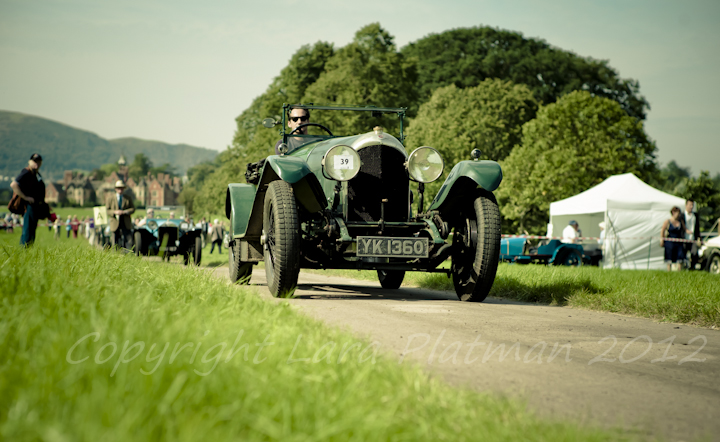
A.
x: 345, y: 202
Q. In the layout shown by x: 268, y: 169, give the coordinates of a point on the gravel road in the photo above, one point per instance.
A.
x: 656, y: 379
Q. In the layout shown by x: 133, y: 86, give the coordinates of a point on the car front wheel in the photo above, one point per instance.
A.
x: 282, y: 239
x: 476, y: 248
x: 714, y: 266
x: 138, y: 244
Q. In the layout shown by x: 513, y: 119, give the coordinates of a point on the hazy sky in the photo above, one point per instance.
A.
x: 181, y: 71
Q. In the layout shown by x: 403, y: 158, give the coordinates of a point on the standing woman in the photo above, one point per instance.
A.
x: 75, y: 226
x: 30, y: 187
x: 673, y: 228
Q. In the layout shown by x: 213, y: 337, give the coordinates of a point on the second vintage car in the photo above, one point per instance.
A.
x: 346, y: 202
x: 167, y: 234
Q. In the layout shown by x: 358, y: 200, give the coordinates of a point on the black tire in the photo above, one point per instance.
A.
x: 138, y: 244
x: 714, y: 264
x: 476, y: 248
x: 282, y: 239
x: 197, y: 251
x: 391, y: 279
x: 570, y: 258
x: 240, y: 272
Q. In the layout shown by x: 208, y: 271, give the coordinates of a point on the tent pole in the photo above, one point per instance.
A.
x: 649, y: 249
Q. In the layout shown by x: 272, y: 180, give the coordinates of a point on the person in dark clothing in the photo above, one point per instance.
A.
x: 30, y: 187
x: 674, y: 228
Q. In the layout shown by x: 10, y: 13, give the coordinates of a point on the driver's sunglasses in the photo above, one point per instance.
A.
x: 296, y: 119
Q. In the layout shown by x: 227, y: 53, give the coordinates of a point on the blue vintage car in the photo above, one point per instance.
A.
x: 168, y: 234
x: 345, y: 202
x: 524, y: 251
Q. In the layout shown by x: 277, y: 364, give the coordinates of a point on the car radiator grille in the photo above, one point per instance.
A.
x: 382, y: 175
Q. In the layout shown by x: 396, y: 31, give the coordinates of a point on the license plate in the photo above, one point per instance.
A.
x: 392, y: 247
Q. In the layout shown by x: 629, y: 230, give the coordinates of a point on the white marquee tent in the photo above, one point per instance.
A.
x: 633, y: 213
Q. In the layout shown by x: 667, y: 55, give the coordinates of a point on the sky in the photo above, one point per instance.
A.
x: 181, y: 71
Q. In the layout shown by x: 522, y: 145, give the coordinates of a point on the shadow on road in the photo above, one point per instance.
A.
x: 406, y: 294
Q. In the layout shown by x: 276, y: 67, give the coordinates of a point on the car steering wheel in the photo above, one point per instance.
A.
x: 311, y: 124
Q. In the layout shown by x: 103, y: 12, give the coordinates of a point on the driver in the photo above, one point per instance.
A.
x: 296, y: 117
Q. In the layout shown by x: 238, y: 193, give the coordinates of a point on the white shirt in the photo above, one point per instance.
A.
x: 690, y: 224
x: 569, y: 235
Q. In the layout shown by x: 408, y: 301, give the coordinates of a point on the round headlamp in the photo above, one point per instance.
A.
x: 341, y: 163
x: 425, y: 165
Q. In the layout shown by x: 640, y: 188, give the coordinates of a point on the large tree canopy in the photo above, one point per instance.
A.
x: 465, y: 57
x: 368, y: 71
x: 253, y: 141
x: 569, y: 147
x: 488, y: 117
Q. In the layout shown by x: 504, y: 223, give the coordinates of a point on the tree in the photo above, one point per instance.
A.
x: 466, y: 56
x: 140, y: 166
x: 166, y: 168
x: 488, y: 117
x: 252, y: 141
x: 368, y: 71
x: 706, y: 194
x: 572, y: 145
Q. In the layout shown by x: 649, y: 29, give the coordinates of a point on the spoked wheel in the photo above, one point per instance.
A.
x: 476, y: 248
x: 282, y: 239
x: 197, y: 252
x: 714, y: 266
x: 391, y: 279
x: 570, y: 257
x: 240, y: 272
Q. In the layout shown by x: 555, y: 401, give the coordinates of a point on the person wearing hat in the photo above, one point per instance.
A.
x: 121, y: 207
x: 217, y: 236
x: 30, y: 187
x: 571, y: 234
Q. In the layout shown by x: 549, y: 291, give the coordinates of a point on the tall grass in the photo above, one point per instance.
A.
x: 86, y: 345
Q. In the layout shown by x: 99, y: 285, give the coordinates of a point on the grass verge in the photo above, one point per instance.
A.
x: 102, y: 346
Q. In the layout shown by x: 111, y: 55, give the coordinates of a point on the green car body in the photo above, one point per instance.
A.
x: 336, y: 219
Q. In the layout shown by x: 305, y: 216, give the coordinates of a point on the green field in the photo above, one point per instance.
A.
x: 98, y: 345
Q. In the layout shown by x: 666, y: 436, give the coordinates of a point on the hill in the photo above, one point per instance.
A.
x: 67, y: 148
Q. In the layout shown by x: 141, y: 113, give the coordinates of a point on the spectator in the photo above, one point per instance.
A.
x: 602, y: 233
x: 68, y: 225
x: 692, y: 224
x: 91, y: 230
x: 571, y: 233
x: 674, y: 229
x: 204, y: 229
x: 217, y: 236
x: 150, y: 214
x: 29, y: 186
x: 75, y: 225
x: 121, y: 207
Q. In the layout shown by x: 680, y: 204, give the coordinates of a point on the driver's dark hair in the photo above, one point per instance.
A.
x: 298, y: 106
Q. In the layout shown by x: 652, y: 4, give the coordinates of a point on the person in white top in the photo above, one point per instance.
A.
x: 692, y: 228
x: 571, y: 234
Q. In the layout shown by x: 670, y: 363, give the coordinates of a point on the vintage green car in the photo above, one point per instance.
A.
x: 345, y: 202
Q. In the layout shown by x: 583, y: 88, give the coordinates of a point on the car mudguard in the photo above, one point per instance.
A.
x: 238, y: 206
x: 244, y: 202
x: 564, y: 247
x: 463, y: 179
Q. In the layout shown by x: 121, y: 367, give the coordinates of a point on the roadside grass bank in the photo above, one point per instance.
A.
x: 98, y: 345
x: 685, y: 297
